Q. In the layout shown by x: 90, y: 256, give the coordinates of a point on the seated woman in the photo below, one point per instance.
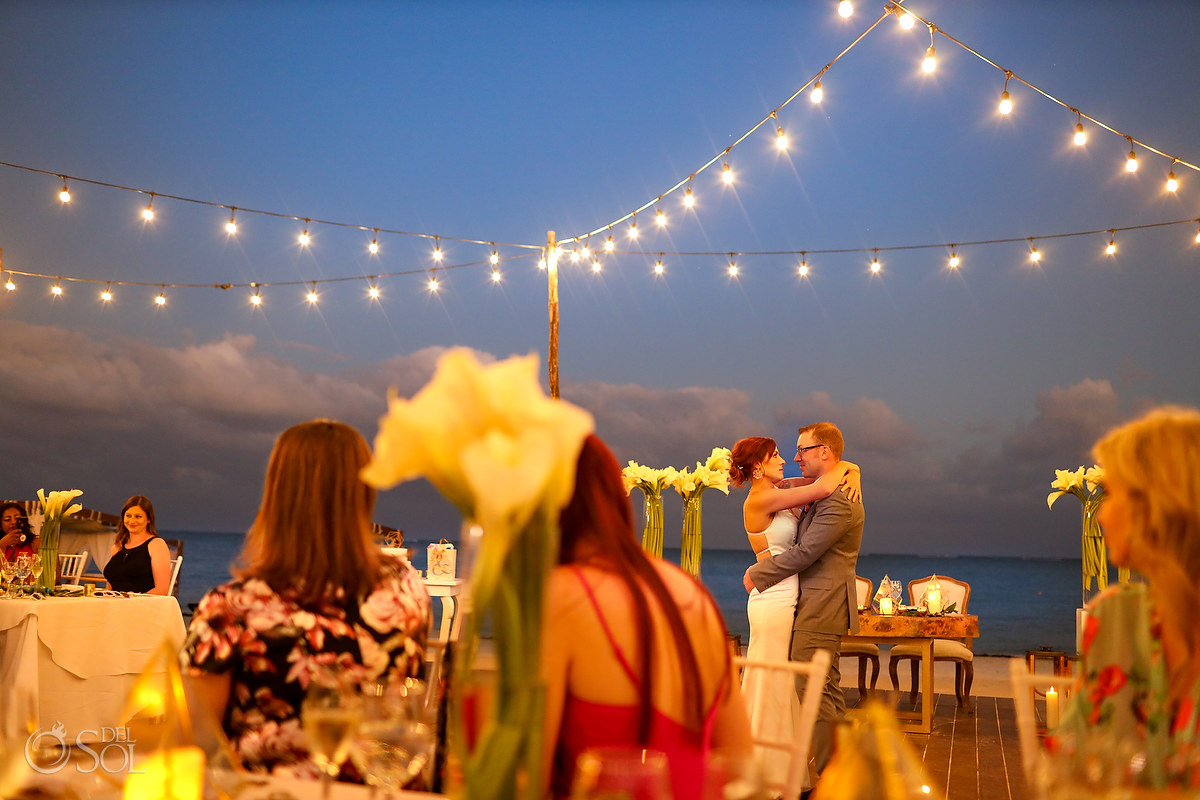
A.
x: 314, y: 594
x: 17, y: 538
x: 1139, y: 678
x: 140, y: 561
x: 636, y: 652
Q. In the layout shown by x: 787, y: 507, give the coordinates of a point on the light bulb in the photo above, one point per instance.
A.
x: 658, y: 267
x: 437, y: 253
x: 495, y: 276
x: 148, y: 212
x: 64, y: 195
x: 106, y: 295
x: 689, y: 199
x: 953, y: 260
x: 574, y: 255
x: 875, y: 265
x: 1172, y: 181
x: 494, y: 258
x: 586, y: 251
x: 596, y: 265
x: 1111, y: 248
x: 160, y: 299
x: 304, y: 238
x: 845, y: 9
x: 1197, y: 242
x: 633, y: 231
x: 609, y: 245
x: 906, y: 21
x: 256, y: 299
x: 660, y: 217
x: 10, y: 286
x: 56, y: 290
x: 373, y: 247
x: 1131, y: 164
x: 781, y: 140
x: 557, y: 251
x: 1034, y: 255
x: 1005, y: 103
x: 802, y: 270
x: 433, y: 284
x: 542, y: 264
x: 726, y: 173
x: 1080, y: 136
x: 733, y: 270
x: 312, y: 295
x: 231, y: 226
x: 373, y: 292
x: 929, y: 64
x: 817, y: 94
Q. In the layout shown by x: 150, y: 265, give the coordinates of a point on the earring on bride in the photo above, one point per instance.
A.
x: 758, y: 473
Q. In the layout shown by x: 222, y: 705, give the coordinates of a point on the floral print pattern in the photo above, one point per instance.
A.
x: 274, y: 647
x: 1120, y: 701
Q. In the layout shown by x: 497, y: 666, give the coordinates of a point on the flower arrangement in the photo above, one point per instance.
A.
x: 1088, y: 485
x: 712, y: 474
x: 55, y: 508
x: 490, y: 440
x: 652, y: 482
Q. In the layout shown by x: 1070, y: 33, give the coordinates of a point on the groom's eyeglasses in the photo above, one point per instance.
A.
x: 800, y: 450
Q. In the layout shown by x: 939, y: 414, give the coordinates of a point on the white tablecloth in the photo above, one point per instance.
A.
x: 76, y: 658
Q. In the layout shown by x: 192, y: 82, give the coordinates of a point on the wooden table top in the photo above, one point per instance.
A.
x: 942, y: 626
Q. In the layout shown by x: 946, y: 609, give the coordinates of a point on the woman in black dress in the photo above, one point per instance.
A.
x: 140, y: 561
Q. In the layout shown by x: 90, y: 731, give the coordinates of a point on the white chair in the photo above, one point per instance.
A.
x: 176, y: 563
x: 797, y: 749
x: 1024, y: 683
x: 958, y: 651
x: 70, y: 567
x: 865, y: 652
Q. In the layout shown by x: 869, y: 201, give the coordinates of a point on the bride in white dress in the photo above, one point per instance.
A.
x: 769, y: 514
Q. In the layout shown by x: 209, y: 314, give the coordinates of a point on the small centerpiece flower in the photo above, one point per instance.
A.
x: 652, y: 482
x: 56, y: 506
x: 711, y: 474
x: 1088, y: 485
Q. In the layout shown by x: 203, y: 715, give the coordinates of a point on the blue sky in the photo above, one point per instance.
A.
x: 959, y: 391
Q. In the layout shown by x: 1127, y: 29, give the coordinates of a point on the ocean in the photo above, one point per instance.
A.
x: 1022, y: 603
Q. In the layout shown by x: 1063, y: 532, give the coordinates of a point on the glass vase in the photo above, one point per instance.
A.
x: 1095, y: 554
x: 652, y: 535
x: 689, y: 557
x: 48, y: 554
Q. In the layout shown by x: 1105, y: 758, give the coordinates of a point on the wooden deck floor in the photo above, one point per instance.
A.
x: 970, y: 756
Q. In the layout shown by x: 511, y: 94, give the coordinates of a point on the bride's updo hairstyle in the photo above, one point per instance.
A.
x: 747, y: 454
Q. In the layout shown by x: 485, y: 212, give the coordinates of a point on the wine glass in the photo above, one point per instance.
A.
x: 397, y: 734
x: 35, y: 568
x: 626, y: 772
x: 22, y: 569
x: 8, y: 571
x: 329, y: 715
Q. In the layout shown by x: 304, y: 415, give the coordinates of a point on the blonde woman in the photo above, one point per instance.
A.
x: 1138, y: 690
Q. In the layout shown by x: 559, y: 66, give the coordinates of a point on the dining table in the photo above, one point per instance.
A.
x: 67, y: 664
x: 921, y: 630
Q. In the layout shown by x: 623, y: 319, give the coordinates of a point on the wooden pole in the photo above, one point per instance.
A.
x: 552, y: 287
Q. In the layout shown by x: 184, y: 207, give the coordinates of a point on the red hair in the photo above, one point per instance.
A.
x: 747, y: 454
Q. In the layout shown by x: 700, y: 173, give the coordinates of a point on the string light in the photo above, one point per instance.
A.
x: 64, y: 194
x: 596, y: 267
x: 373, y: 247
x: 161, y: 298
x: 929, y: 63
x: 256, y: 298
x: 231, y: 226
x: 1131, y: 164
x: 495, y: 275
x: 1172, y: 181
x: 659, y: 216
x: 875, y: 265
x: 373, y: 290
x: 437, y: 250
x: 845, y: 9
x: 1197, y: 236
x: 658, y: 265
x: 609, y: 244
x: 953, y: 262
x: 726, y: 172
x: 312, y: 295
x: 148, y: 211
x: 586, y: 252
x: 1111, y: 247
x: 433, y: 281
x: 106, y: 295
x: 633, y: 231
x: 9, y: 285
x: 781, y: 140
x: 733, y: 267
x: 494, y: 258
x: 802, y: 270
x: 1006, y: 106
x: 689, y: 199
x: 818, y: 93
x: 1080, y: 137
x: 56, y: 289
x: 1034, y: 255
x: 542, y: 264
x: 906, y: 20
x: 304, y: 238
x: 574, y: 255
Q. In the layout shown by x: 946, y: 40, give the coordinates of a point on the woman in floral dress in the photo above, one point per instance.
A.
x: 1133, y: 715
x: 313, y: 595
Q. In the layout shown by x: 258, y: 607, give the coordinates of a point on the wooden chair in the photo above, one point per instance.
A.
x: 865, y: 652
x: 956, y: 650
x: 796, y: 749
x: 70, y: 567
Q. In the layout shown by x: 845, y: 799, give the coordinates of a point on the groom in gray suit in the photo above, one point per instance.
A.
x: 824, y: 556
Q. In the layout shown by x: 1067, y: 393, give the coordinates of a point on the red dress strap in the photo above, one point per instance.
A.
x: 604, y: 624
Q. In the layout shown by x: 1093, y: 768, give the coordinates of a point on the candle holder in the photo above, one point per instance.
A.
x: 931, y: 598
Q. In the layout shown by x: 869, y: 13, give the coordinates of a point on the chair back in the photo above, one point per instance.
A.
x: 796, y: 749
x: 953, y: 591
x: 70, y: 567
x: 172, y: 587
x: 1024, y: 683
x: 865, y: 589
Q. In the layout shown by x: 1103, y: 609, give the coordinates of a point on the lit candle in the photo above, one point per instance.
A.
x: 885, y: 606
x: 933, y: 600
x: 1051, y: 708
x: 177, y: 773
